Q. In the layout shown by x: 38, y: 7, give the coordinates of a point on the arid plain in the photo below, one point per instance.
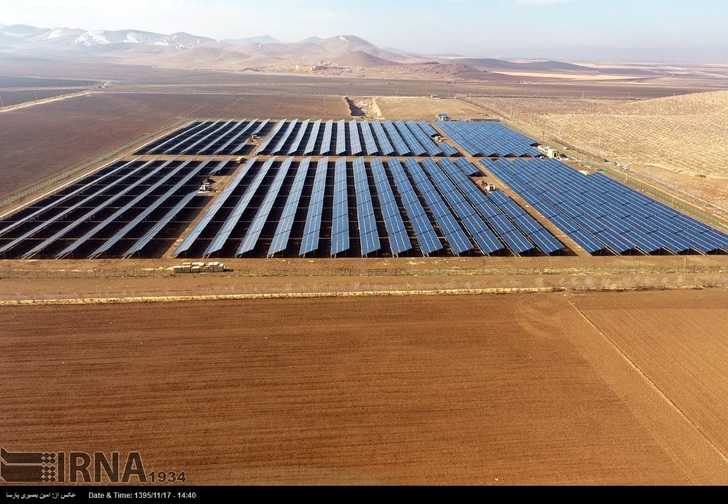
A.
x: 472, y: 371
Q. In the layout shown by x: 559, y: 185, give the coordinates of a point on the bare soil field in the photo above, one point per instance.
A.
x: 436, y: 390
x: 675, y: 140
x: 690, y: 345
x: 416, y: 108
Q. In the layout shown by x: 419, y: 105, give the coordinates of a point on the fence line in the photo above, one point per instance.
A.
x: 372, y: 272
x: 72, y: 171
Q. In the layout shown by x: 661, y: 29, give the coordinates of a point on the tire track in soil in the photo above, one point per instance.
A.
x: 681, y: 438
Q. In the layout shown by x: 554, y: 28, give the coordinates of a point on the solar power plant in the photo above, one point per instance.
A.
x: 345, y: 188
x: 127, y: 208
x: 337, y: 207
x: 602, y: 215
x: 489, y: 139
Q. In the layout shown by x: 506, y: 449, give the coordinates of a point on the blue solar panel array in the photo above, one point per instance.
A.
x: 354, y: 138
x: 148, y: 210
x: 285, y: 222
x: 312, y: 231
x: 432, y: 204
x: 326, y: 142
x: 454, y: 234
x: 414, y: 146
x: 256, y: 227
x: 476, y: 227
x: 299, y: 137
x: 151, y: 176
x: 492, y: 139
x: 424, y: 231
x: 120, y: 208
x: 602, y: 215
x: 340, y: 241
x: 399, y: 242
x: 385, y: 146
x: 369, y: 142
x: 368, y: 233
x: 518, y: 230
x: 340, y: 138
x: 227, y: 228
x: 423, y: 202
x: 311, y: 144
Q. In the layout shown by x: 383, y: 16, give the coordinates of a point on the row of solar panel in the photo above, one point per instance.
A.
x: 109, y: 208
x: 353, y: 138
x: 489, y: 138
x: 602, y: 215
x: 437, y: 200
x: 203, y: 138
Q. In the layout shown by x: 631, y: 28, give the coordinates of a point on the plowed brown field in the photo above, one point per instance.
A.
x: 557, y: 388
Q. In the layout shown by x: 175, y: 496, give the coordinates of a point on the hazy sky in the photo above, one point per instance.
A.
x: 677, y: 30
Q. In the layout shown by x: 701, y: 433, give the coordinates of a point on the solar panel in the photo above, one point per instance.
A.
x: 256, y: 226
x: 157, y: 228
x: 208, y: 140
x: 484, y: 138
x: 454, y: 234
x: 76, y: 192
x: 399, y: 145
x: 368, y: 234
x: 86, y: 216
x: 478, y: 229
x: 385, y: 146
x: 132, y: 204
x: 235, y: 138
x: 586, y: 241
x: 326, y: 141
x: 148, y: 210
x: 257, y: 130
x: 261, y: 127
x: 285, y: 222
x: 341, y: 138
x: 312, y: 229
x: 426, y: 235
x: 340, y: 220
x: 313, y: 136
x: 299, y: 137
x: 546, y: 241
x: 284, y: 137
x: 354, y: 138
x: 369, y: 142
x: 273, y: 134
x: 227, y: 228
x: 428, y: 129
x: 409, y: 139
x: 217, y: 137
x: 399, y: 242
x: 207, y: 127
x: 499, y: 211
x: 155, y: 146
x: 195, y: 232
x: 467, y: 167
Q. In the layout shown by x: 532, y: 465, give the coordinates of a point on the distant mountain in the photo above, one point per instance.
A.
x: 75, y: 38
x: 333, y: 55
x: 263, y: 39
